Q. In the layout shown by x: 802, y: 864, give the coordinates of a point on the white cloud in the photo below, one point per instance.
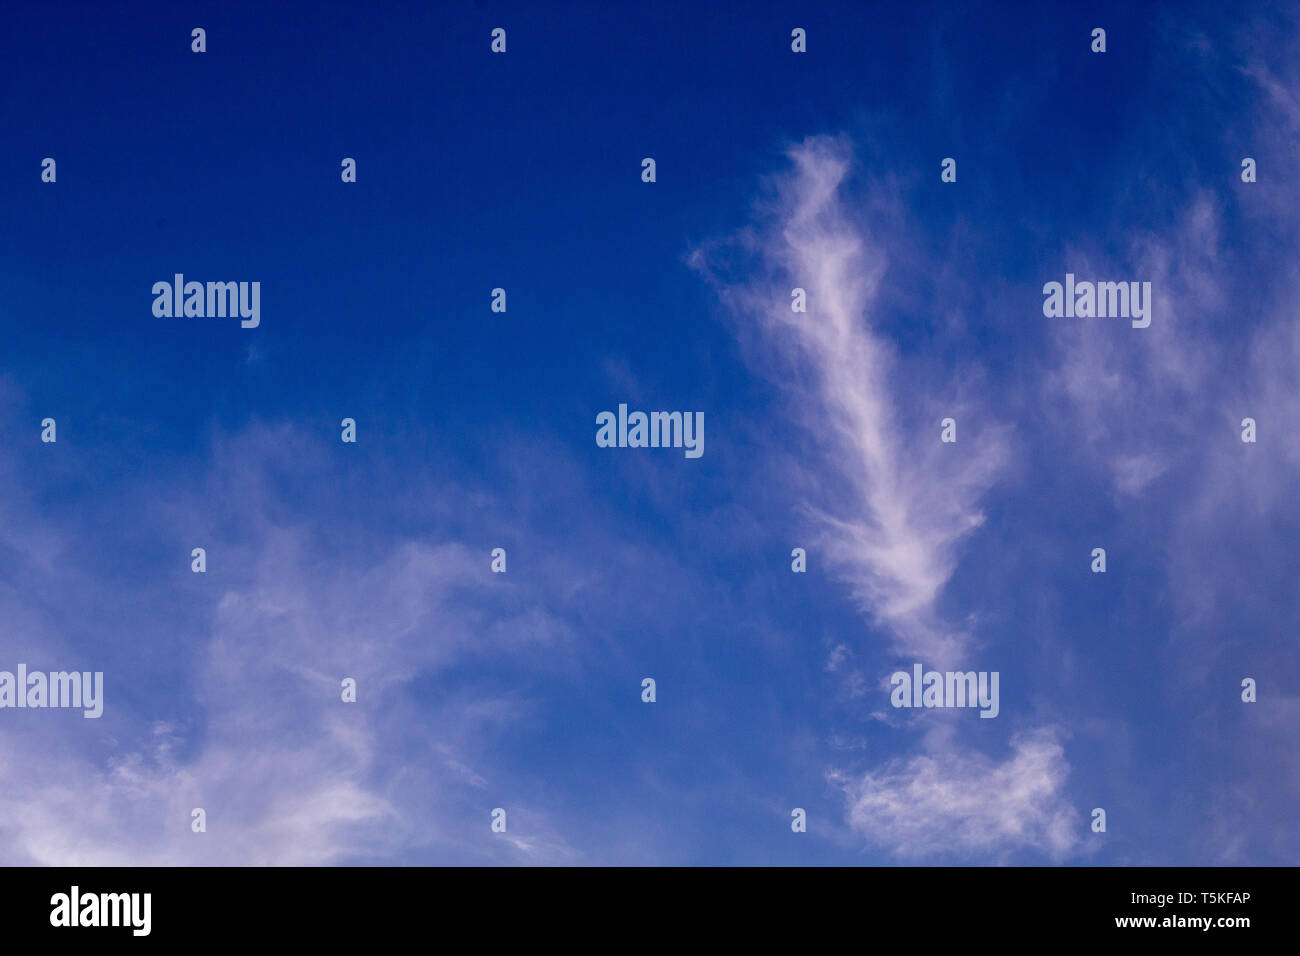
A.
x: 950, y: 803
x: 286, y: 772
x: 896, y: 503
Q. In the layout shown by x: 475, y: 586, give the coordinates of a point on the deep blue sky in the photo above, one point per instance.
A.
x: 476, y: 430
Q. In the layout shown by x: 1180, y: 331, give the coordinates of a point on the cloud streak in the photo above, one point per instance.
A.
x: 896, y: 504
x: 286, y: 773
x: 955, y: 804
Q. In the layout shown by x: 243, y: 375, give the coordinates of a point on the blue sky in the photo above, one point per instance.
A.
x: 476, y: 430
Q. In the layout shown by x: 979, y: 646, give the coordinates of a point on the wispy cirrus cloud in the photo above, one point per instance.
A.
x: 1160, y: 414
x: 954, y: 803
x: 894, y: 503
x: 259, y: 738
